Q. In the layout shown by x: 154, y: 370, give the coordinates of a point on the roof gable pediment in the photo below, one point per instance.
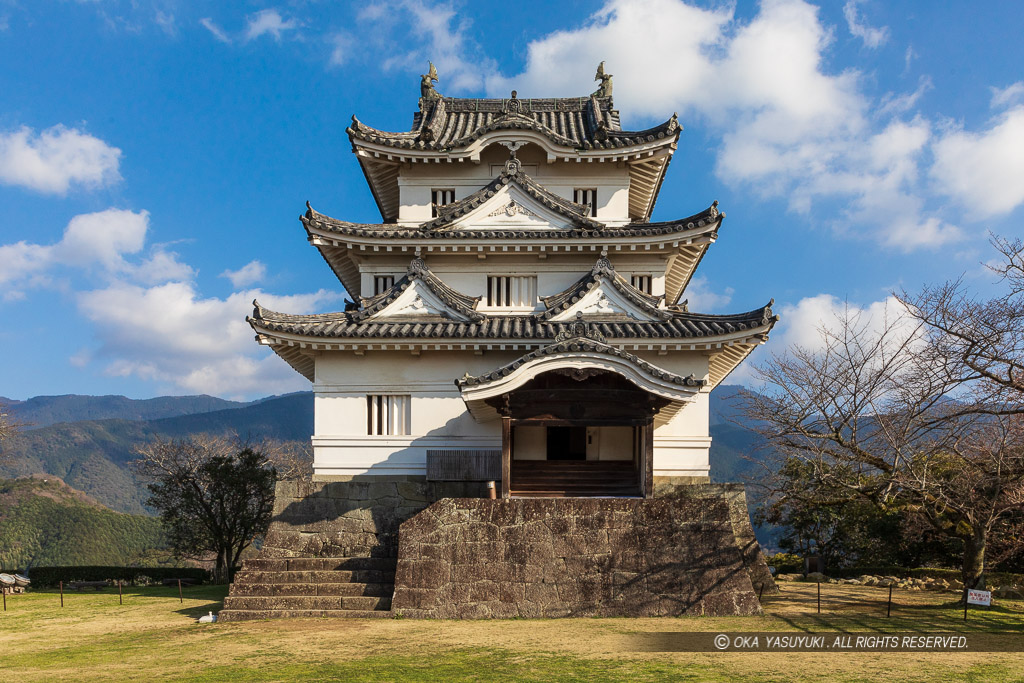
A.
x: 417, y: 301
x: 419, y: 294
x: 602, y: 293
x: 604, y: 300
x: 512, y: 200
x: 512, y: 207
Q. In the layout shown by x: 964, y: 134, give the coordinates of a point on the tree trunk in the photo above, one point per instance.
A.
x: 974, y: 560
x: 218, y: 572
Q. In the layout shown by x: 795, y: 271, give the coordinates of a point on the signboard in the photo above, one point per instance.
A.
x: 979, y: 597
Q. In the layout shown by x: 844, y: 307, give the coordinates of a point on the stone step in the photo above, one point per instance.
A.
x: 249, y: 615
x: 353, y: 576
x: 320, y: 563
x: 307, y: 602
x: 275, y: 589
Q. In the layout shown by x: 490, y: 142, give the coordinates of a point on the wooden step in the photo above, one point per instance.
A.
x: 574, y: 494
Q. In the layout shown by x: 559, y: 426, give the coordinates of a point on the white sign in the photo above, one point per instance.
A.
x: 979, y: 597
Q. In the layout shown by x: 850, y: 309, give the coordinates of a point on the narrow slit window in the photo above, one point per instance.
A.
x: 382, y: 283
x: 642, y: 282
x: 387, y: 415
x: 587, y: 197
x: 439, y: 198
x: 511, y: 291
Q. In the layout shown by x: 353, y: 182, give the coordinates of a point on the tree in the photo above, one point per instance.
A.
x: 7, y: 427
x: 905, y: 417
x: 215, y: 495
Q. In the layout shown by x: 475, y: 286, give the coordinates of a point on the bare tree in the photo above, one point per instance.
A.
x: 8, y: 427
x: 887, y: 414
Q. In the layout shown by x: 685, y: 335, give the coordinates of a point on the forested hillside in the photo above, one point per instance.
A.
x: 41, y: 411
x: 45, y: 522
x: 94, y: 456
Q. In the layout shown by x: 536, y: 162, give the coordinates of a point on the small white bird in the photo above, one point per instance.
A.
x: 208, y: 619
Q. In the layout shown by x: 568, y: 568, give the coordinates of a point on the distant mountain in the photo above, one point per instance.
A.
x: 95, y: 455
x: 45, y: 522
x: 42, y: 411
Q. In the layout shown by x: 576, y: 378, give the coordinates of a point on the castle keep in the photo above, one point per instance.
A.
x: 516, y: 318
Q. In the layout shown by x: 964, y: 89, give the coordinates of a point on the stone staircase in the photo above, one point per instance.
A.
x: 281, y: 588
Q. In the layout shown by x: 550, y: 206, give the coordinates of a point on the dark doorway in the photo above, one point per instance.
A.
x: 567, y: 443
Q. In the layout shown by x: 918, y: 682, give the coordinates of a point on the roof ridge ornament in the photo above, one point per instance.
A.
x: 513, y: 105
x: 427, y: 81
x: 580, y: 329
x: 605, y: 89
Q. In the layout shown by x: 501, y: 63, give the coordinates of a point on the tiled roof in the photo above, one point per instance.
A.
x: 577, y: 340
x: 603, y: 270
x: 578, y: 122
x: 344, y: 325
x: 315, y: 220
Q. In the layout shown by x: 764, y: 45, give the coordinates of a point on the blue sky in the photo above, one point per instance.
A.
x: 155, y: 157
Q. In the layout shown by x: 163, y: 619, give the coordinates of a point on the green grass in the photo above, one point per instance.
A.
x: 154, y: 637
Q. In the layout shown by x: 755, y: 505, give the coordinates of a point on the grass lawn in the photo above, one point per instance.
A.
x: 153, y: 637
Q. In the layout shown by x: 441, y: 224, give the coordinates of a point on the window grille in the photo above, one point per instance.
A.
x: 387, y: 415
x: 511, y: 291
x: 382, y: 283
x: 439, y: 198
x: 586, y: 197
x: 642, y: 282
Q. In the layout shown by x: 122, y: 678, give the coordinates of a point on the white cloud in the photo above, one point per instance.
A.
x: 984, y: 170
x: 216, y: 30
x: 788, y: 127
x: 340, y: 44
x: 1010, y: 95
x: 409, y: 33
x: 898, y: 104
x: 620, y: 34
x: 801, y: 324
x: 701, y: 298
x: 55, y: 159
x: 268, y: 22
x: 93, y: 243
x: 872, y: 37
x: 249, y: 274
x: 166, y: 22
x: 170, y: 334
x: 100, y: 239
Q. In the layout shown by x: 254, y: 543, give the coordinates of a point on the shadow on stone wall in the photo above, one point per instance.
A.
x: 669, y: 556
x: 358, y: 517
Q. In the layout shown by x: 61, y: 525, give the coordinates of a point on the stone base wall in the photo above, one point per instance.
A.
x: 667, y: 556
x: 355, y: 516
x: 736, y: 497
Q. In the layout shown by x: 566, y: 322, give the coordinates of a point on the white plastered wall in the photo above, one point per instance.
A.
x: 467, y: 273
x: 611, y: 181
x: 439, y: 418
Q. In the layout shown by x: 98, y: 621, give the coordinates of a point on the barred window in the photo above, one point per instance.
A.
x: 382, y: 283
x: 511, y: 291
x: 641, y: 282
x: 387, y: 415
x: 440, y: 198
x: 587, y: 197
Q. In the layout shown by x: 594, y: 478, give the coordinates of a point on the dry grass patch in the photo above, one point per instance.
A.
x: 153, y: 637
